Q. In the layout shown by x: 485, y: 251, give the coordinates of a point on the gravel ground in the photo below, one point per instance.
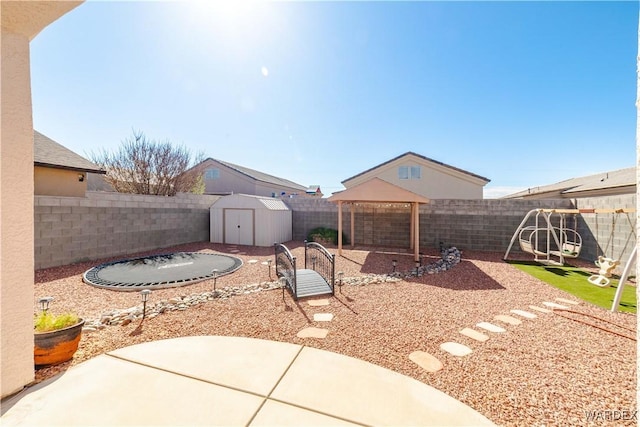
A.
x: 546, y: 371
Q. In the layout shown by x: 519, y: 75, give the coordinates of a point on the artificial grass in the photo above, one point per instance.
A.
x: 574, y: 281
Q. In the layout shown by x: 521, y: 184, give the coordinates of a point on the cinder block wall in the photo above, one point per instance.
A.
x: 75, y: 229
x: 597, y: 238
x: 485, y: 225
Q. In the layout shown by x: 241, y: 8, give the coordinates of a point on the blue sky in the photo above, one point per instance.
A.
x: 523, y: 93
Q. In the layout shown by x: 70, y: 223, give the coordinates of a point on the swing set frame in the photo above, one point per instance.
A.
x: 560, y: 242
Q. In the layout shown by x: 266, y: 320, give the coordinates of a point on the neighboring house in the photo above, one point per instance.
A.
x: 622, y: 181
x: 59, y: 171
x: 424, y: 176
x: 222, y: 178
x: 314, y: 191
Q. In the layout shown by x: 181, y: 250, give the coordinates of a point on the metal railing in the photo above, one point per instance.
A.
x: 318, y: 259
x: 286, y: 267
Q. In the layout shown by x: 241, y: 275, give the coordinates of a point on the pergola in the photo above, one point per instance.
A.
x: 376, y: 191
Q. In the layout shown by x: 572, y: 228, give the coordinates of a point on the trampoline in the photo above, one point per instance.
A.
x: 160, y: 271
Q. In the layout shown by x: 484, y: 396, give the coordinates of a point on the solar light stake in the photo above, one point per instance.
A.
x: 394, y: 263
x: 421, y: 258
x: 215, y: 279
x: 144, y: 294
x: 269, y: 264
x: 340, y: 274
x: 44, y: 303
x: 417, y: 266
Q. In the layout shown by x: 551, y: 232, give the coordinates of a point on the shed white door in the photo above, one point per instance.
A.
x: 238, y: 226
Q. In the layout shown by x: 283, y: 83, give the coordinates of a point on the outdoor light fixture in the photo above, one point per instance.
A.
x: 144, y: 294
x: 215, y: 279
x: 340, y: 274
x: 394, y: 262
x: 269, y: 261
x: 417, y: 266
x: 421, y: 258
x: 44, y: 303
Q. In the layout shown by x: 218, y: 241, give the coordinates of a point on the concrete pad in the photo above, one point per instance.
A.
x: 473, y: 334
x: 554, y: 305
x: 246, y: 364
x: 357, y: 391
x: 106, y: 391
x: 275, y: 413
x: 318, y: 302
x: 313, y: 333
x: 426, y: 361
x: 567, y: 301
x: 490, y: 327
x: 455, y: 349
x: 323, y: 317
x: 524, y: 314
x: 508, y: 319
x: 540, y: 309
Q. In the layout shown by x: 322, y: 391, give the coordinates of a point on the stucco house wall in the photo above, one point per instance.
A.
x: 59, y: 182
x: 435, y: 180
x: 220, y: 178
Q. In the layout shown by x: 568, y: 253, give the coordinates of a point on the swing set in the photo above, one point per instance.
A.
x: 551, y: 241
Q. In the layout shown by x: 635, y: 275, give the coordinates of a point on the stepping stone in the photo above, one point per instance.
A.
x: 508, y: 319
x: 313, y: 333
x: 318, y: 302
x: 525, y: 314
x: 554, y: 305
x: 426, y: 361
x: 323, y: 317
x: 473, y: 334
x: 540, y: 309
x: 265, y: 263
x: 567, y: 301
x: 490, y: 327
x: 455, y: 348
x: 253, y: 261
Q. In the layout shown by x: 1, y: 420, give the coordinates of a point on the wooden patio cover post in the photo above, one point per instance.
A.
x: 376, y: 190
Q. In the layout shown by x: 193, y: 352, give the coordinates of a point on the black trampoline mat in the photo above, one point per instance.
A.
x: 160, y: 271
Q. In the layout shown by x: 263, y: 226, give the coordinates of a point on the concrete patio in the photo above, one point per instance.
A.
x: 214, y: 380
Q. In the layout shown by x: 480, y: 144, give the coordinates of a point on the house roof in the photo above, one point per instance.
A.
x: 600, y: 181
x: 260, y: 176
x: 48, y: 153
x: 377, y: 190
x: 411, y: 153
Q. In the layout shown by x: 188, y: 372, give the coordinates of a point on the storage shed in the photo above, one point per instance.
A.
x: 241, y: 219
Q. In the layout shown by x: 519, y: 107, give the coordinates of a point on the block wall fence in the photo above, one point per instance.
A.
x: 102, y: 225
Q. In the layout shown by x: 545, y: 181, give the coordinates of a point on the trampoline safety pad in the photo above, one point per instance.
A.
x: 160, y: 271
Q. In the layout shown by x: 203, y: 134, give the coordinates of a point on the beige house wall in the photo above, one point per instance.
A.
x: 21, y: 22
x: 436, y: 181
x: 59, y: 182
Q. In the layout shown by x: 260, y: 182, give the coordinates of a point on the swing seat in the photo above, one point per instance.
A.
x: 599, y: 281
x: 607, y: 265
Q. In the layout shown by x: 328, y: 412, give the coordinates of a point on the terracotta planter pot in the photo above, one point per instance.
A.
x: 54, y: 347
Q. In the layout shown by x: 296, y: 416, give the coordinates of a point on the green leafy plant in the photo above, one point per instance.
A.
x: 45, y: 321
x: 320, y: 234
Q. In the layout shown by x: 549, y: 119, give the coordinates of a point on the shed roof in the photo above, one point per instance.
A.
x: 248, y: 201
x: 377, y: 190
x: 48, y: 153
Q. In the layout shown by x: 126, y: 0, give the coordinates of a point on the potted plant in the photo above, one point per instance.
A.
x: 56, y: 337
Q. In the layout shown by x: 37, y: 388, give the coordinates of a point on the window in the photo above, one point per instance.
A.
x: 403, y: 172
x: 409, y: 172
x: 211, y: 174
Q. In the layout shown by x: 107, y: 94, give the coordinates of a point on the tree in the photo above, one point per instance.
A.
x: 147, y: 166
